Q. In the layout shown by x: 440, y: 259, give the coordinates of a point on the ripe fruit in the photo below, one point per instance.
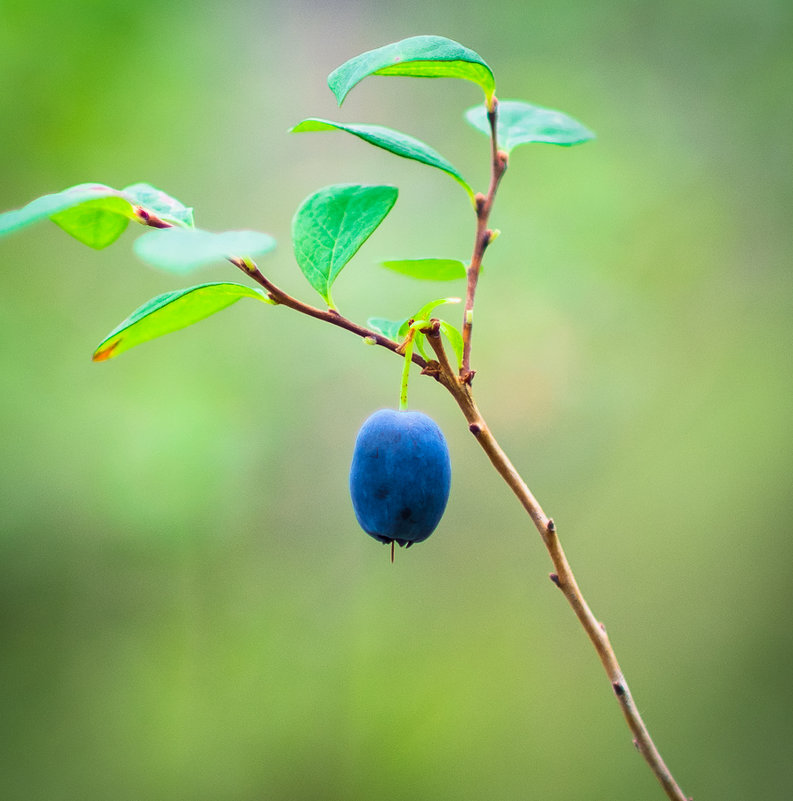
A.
x: 400, y: 476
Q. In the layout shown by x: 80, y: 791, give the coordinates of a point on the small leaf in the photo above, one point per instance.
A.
x: 394, y: 141
x: 96, y: 223
x: 170, y: 312
x: 94, y: 227
x: 452, y: 334
x: 455, y: 340
x: 393, y: 329
x: 332, y: 224
x: 183, y: 249
x: 164, y: 206
x: 419, y: 340
x: 428, y: 269
x: 419, y: 57
x: 398, y: 329
x: 519, y: 123
x: 426, y: 311
x: 96, y: 214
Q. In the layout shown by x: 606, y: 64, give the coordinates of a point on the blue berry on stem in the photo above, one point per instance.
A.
x: 400, y: 476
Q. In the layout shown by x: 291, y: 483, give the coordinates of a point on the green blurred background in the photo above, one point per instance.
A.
x: 188, y: 609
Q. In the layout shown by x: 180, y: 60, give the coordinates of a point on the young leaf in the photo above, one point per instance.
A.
x: 455, y: 340
x: 391, y: 140
x: 519, y: 123
x: 420, y: 57
x: 428, y: 269
x: 398, y: 329
x: 425, y: 312
x: 452, y: 334
x: 164, y: 206
x: 170, y: 312
x: 96, y: 223
x: 103, y: 221
x: 332, y: 224
x: 393, y: 329
x: 418, y: 339
x: 96, y: 214
x: 183, y: 249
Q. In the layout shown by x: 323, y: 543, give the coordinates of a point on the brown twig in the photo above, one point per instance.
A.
x: 483, y: 237
x: 278, y: 297
x: 563, y: 576
x: 326, y: 315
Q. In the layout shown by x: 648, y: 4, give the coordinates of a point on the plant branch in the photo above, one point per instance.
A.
x: 484, y: 204
x: 278, y: 297
x: 563, y: 576
x: 331, y: 316
x: 459, y: 386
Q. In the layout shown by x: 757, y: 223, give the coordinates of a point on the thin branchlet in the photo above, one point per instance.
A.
x: 563, y: 576
x: 278, y: 297
x: 482, y: 238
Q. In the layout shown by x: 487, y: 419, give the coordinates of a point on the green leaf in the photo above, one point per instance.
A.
x: 170, y: 312
x: 183, y: 249
x: 425, y: 312
x: 519, y: 123
x: 96, y: 223
x: 332, y: 224
x: 428, y: 269
x: 419, y: 340
x: 101, y: 223
x: 422, y: 316
x: 394, y: 141
x: 452, y: 334
x: 455, y: 340
x: 96, y: 214
x: 393, y: 329
x: 397, y: 329
x: 419, y: 57
x: 164, y: 206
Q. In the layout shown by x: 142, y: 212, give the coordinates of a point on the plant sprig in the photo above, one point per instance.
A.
x: 328, y: 229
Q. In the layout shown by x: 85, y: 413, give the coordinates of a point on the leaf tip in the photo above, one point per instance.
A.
x: 336, y: 86
x: 105, y: 352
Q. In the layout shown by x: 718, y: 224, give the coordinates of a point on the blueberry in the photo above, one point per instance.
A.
x: 400, y: 476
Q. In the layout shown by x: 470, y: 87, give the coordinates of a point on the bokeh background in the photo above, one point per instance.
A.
x: 187, y: 607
